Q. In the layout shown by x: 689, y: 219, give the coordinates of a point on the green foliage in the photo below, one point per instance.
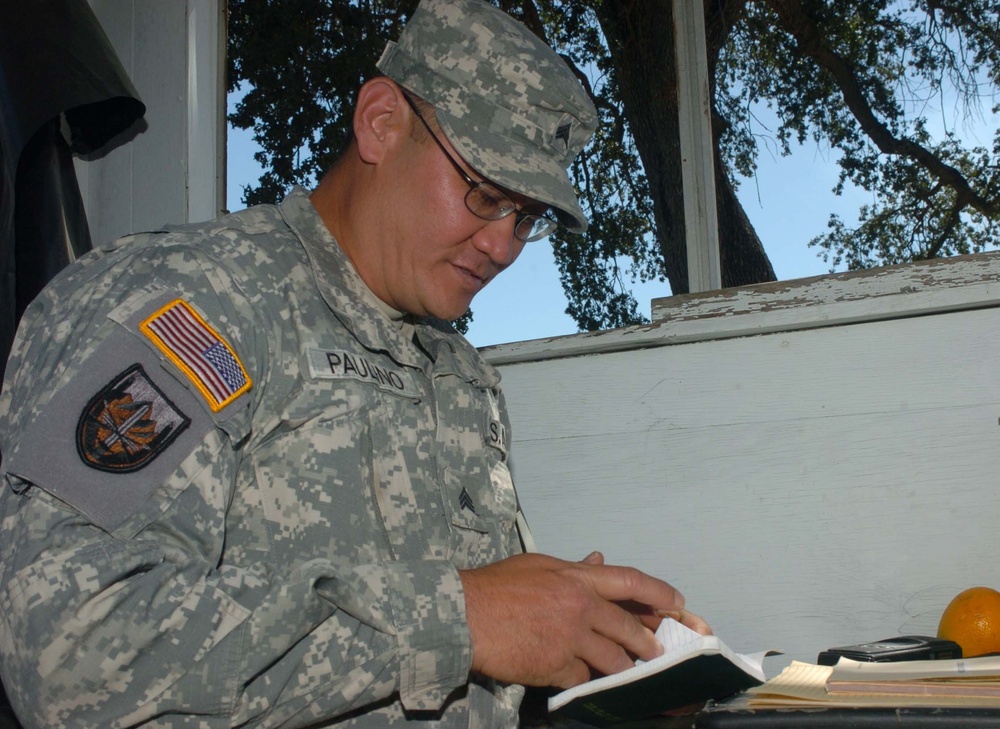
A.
x: 914, y: 215
x: 462, y: 323
x: 899, y: 61
x: 302, y: 62
x: 861, y: 78
x: 620, y: 246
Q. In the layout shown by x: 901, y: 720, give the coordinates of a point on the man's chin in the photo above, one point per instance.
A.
x: 451, y: 312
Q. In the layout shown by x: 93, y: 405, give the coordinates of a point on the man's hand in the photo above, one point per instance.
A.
x: 542, y: 621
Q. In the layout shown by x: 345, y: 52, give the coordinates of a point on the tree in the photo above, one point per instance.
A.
x: 857, y: 75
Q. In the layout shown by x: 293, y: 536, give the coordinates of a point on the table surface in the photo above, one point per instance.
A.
x: 736, y: 712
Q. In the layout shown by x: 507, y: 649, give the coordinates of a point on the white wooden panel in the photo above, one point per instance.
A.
x: 105, y: 183
x: 916, y: 289
x: 206, y: 121
x: 173, y: 171
x: 803, y: 489
x: 694, y: 109
x: 159, y: 178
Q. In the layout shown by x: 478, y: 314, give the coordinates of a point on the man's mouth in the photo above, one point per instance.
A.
x: 480, y: 279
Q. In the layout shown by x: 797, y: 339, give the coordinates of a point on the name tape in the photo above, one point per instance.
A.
x: 340, y: 364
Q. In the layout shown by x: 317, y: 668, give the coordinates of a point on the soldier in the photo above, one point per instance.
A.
x: 252, y: 477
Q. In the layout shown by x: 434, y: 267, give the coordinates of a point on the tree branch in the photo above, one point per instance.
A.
x: 953, y: 219
x: 810, y: 42
x: 958, y: 10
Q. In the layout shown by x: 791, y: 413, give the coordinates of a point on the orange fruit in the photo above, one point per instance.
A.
x: 972, y: 619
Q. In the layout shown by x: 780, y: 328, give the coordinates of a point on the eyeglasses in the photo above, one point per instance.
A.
x: 488, y: 202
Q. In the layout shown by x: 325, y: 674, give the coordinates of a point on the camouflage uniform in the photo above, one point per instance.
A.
x: 278, y: 546
x: 236, y: 490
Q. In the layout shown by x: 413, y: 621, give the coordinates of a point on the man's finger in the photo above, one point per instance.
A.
x: 628, y: 631
x: 604, y: 655
x: 628, y: 583
x: 690, y: 620
x: 695, y: 622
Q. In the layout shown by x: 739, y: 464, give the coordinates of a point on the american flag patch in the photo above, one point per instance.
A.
x: 199, y: 351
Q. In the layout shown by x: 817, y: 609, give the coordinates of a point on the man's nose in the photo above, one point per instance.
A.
x: 496, y: 239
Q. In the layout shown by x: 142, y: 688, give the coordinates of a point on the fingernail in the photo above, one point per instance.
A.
x: 673, y: 614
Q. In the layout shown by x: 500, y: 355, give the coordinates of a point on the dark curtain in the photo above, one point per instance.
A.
x: 59, y: 78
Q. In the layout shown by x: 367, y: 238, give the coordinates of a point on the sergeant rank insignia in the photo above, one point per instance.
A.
x: 127, y: 424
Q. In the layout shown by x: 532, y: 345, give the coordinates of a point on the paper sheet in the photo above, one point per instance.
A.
x: 804, y: 684
x: 799, y: 680
x: 848, y: 670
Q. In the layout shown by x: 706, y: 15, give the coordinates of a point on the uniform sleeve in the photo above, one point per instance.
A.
x: 117, y: 605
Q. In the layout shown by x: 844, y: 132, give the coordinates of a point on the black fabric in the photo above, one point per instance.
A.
x: 50, y: 224
x: 8, y: 720
x: 56, y: 64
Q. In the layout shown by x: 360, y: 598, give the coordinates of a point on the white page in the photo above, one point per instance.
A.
x: 849, y: 670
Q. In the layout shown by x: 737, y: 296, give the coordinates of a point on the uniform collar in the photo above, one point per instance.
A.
x: 360, y: 311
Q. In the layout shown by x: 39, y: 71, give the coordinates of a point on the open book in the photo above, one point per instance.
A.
x: 692, y: 669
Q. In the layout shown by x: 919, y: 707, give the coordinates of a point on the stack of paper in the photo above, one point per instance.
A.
x: 960, y: 682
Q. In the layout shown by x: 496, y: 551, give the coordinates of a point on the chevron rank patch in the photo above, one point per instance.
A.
x: 465, y: 501
x: 199, y: 351
x: 127, y: 424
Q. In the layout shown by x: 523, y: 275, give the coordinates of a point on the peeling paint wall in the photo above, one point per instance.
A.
x: 812, y: 463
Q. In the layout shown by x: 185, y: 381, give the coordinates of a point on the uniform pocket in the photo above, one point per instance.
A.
x: 481, y: 510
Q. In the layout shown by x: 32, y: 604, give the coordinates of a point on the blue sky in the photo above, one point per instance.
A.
x: 789, y: 203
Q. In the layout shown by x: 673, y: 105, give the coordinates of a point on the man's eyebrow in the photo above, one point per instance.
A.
x: 524, y: 202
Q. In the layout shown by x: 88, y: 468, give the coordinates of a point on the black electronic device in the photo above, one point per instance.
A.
x: 900, y: 648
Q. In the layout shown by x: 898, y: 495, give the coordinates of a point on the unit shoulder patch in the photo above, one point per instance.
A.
x: 127, y: 424
x: 199, y: 351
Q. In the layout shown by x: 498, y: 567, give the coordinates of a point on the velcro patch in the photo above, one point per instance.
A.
x: 199, y: 351
x: 495, y: 432
x: 127, y: 424
x: 496, y: 436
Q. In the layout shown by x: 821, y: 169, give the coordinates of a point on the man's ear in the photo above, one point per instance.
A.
x: 379, y: 121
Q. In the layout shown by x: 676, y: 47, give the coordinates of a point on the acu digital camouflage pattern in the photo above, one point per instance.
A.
x: 507, y: 102
x: 290, y: 559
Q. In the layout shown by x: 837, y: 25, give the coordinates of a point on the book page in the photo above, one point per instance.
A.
x: 677, y: 638
x: 799, y: 680
x: 674, y: 635
x: 929, y: 687
x: 848, y: 670
x: 804, y: 684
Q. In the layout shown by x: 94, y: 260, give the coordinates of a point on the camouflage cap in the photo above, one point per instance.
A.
x: 509, y: 105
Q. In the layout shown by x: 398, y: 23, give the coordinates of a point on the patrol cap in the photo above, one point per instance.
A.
x: 509, y: 105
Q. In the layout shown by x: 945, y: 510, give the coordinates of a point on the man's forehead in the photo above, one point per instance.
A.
x: 524, y: 202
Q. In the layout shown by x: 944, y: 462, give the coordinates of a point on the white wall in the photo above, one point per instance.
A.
x: 174, y: 171
x: 804, y: 487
